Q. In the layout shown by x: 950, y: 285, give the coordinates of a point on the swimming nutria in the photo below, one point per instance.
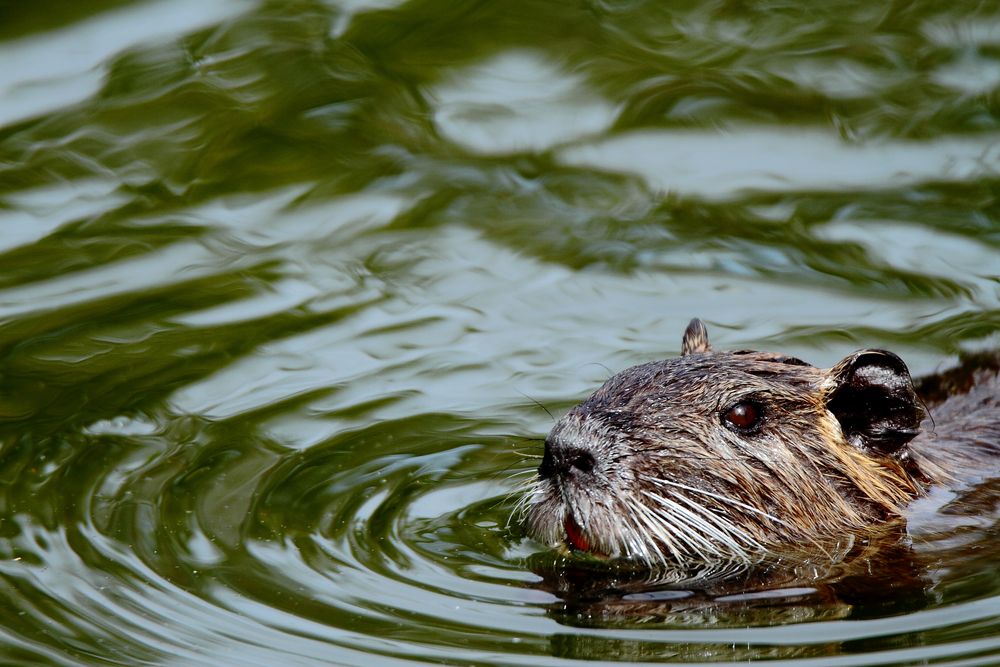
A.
x: 728, y: 456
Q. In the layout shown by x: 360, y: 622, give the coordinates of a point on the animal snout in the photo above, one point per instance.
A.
x: 565, y: 460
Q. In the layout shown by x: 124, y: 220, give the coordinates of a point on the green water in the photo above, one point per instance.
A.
x: 284, y: 286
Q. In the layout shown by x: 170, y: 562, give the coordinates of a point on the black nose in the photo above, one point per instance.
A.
x: 563, y: 460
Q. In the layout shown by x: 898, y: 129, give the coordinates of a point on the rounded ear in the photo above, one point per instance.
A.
x: 874, y: 401
x: 695, y: 338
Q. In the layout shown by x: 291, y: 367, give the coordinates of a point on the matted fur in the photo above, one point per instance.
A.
x: 646, y: 468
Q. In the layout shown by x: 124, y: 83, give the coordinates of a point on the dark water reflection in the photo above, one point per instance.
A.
x: 281, y: 285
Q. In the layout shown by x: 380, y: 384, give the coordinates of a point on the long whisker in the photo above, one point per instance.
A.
x: 702, y: 529
x: 812, y: 540
x: 536, y: 403
x: 694, y: 535
x: 731, y: 531
x: 518, y: 473
x: 644, y: 541
x: 659, y: 529
x: 526, y: 491
x: 731, y: 501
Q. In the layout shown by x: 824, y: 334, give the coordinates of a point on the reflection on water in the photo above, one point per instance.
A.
x: 782, y: 159
x: 518, y: 102
x: 64, y: 66
x: 287, y: 290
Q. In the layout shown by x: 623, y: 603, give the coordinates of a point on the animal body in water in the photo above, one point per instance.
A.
x: 730, y: 456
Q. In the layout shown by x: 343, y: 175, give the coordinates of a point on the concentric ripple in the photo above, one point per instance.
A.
x: 214, y: 548
x: 198, y: 544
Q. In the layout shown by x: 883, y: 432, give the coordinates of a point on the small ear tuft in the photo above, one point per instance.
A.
x: 695, y: 338
x: 874, y: 401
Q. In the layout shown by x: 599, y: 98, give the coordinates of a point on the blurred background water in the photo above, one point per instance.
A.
x: 282, y: 285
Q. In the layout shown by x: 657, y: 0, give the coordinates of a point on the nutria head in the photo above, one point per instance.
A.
x: 728, y: 455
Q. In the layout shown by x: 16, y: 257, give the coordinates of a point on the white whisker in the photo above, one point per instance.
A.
x: 731, y: 532
x: 644, y: 541
x: 692, y: 537
x: 749, y: 508
x: 701, y: 530
x: 663, y: 531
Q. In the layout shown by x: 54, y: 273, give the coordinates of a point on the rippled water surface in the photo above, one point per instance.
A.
x: 284, y: 287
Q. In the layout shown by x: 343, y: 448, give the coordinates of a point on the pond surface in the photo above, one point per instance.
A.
x: 284, y: 287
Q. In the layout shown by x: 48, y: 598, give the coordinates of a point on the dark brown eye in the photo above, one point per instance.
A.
x: 743, y: 417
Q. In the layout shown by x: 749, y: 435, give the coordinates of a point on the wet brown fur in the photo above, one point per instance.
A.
x: 648, y: 471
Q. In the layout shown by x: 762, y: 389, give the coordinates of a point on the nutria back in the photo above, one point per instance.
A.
x: 959, y: 441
